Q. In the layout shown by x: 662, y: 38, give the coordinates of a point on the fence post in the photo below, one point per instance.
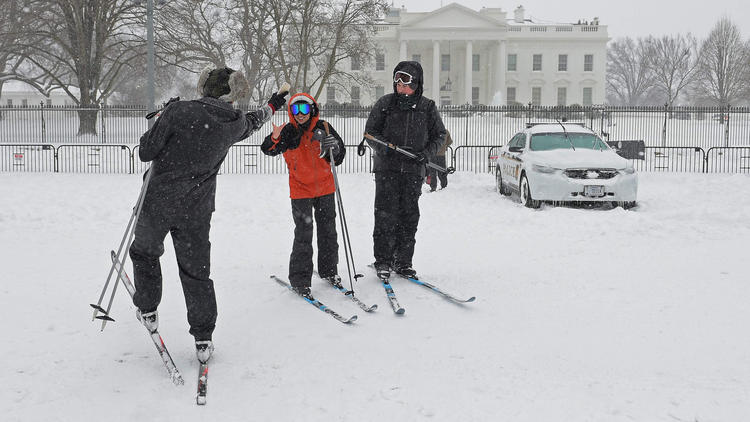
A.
x: 103, y: 108
x: 726, y: 126
x: 528, y: 114
x: 664, y: 128
x: 466, y: 128
x: 44, y: 125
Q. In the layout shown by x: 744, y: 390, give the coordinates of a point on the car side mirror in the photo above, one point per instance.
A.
x: 515, y: 149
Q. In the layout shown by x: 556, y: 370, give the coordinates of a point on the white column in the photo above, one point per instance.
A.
x: 468, y: 72
x: 501, y: 58
x: 402, y: 52
x: 436, y: 71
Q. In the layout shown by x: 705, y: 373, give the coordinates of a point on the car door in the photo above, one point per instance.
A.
x: 511, y: 161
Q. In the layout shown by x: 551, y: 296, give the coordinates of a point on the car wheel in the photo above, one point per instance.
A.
x: 628, y: 205
x: 525, y: 193
x: 502, y: 190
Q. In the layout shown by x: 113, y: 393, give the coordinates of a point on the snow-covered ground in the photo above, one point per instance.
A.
x: 581, y: 315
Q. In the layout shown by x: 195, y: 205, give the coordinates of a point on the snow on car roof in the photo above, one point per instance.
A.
x: 555, y: 127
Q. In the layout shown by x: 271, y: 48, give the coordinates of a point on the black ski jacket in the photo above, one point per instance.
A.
x: 416, y: 126
x: 187, y: 145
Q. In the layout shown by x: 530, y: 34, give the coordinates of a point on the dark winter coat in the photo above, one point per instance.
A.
x: 309, y: 175
x: 187, y: 145
x: 411, y: 122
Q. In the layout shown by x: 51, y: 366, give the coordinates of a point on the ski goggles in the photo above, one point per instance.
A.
x: 402, y: 77
x: 301, y: 108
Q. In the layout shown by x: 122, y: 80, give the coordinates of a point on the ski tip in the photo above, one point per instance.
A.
x: 372, y: 308
x: 177, y: 379
x: 471, y: 299
x: 200, y: 400
x: 400, y: 311
x: 352, y: 319
x: 105, y: 318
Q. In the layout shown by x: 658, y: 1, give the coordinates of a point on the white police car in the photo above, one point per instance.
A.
x: 564, y: 162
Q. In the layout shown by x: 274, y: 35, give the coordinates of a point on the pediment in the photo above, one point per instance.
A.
x: 453, y: 16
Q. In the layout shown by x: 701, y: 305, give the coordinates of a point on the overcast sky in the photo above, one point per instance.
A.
x: 634, y: 18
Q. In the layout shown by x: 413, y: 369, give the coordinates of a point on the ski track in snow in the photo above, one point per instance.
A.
x: 581, y: 315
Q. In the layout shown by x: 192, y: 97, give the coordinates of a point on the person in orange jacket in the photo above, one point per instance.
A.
x: 306, y: 142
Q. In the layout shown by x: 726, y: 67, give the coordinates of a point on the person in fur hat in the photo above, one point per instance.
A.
x: 307, y: 142
x: 186, y: 147
x: 409, y: 120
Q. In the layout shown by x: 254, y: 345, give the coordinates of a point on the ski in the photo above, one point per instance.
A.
x: 200, y: 397
x: 174, y: 373
x: 350, y: 294
x: 392, y: 297
x: 437, y: 290
x: 316, y: 303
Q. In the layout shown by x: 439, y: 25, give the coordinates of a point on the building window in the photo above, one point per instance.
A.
x: 445, y: 62
x: 331, y: 94
x: 355, y: 62
x: 355, y: 95
x: 510, y: 95
x: 474, y: 95
x: 562, y: 63
x: 512, y: 62
x: 445, y: 100
x: 588, y: 94
x: 49, y: 102
x: 562, y: 96
x: 24, y: 103
x: 588, y: 63
x: 537, y: 63
x: 536, y: 96
x: 10, y: 102
x: 379, y: 91
x: 416, y: 58
x: 475, y: 62
x: 380, y: 61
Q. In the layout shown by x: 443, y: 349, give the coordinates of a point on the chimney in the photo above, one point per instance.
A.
x: 518, y: 14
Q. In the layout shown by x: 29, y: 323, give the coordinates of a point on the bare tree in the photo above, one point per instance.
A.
x: 628, y: 74
x: 191, y: 33
x: 724, y: 58
x: 87, y: 44
x: 311, y: 41
x: 672, y: 60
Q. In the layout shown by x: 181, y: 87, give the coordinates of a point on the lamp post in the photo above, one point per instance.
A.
x: 150, y: 55
x: 150, y: 59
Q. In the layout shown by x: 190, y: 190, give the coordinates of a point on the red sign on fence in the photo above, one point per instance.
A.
x: 18, y: 155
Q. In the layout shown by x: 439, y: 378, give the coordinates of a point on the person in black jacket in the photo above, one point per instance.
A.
x: 186, y: 147
x: 411, y: 121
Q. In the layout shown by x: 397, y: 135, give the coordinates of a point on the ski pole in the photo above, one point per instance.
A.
x: 449, y: 170
x: 129, y: 233
x: 349, y: 254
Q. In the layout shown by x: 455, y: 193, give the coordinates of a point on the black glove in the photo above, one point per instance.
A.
x: 318, y: 135
x: 329, y: 143
x: 276, y: 101
x: 421, y: 158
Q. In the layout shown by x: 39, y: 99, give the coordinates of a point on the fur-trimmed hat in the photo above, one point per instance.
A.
x: 223, y: 83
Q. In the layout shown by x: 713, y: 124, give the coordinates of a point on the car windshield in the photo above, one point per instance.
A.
x: 548, y: 141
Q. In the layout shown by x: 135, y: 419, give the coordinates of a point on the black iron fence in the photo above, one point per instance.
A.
x: 677, y: 139
x: 248, y: 159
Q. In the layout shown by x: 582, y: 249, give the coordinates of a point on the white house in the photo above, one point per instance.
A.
x: 485, y: 57
x: 21, y: 94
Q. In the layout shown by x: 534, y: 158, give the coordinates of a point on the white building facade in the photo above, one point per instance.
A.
x: 484, y: 57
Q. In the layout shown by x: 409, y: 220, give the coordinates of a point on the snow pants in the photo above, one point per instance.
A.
x: 396, y: 217
x: 434, y: 175
x: 323, y: 208
x: 190, y: 234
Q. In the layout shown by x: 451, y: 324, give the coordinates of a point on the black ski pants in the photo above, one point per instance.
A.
x: 434, y: 175
x: 323, y: 208
x: 193, y: 249
x: 396, y: 217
